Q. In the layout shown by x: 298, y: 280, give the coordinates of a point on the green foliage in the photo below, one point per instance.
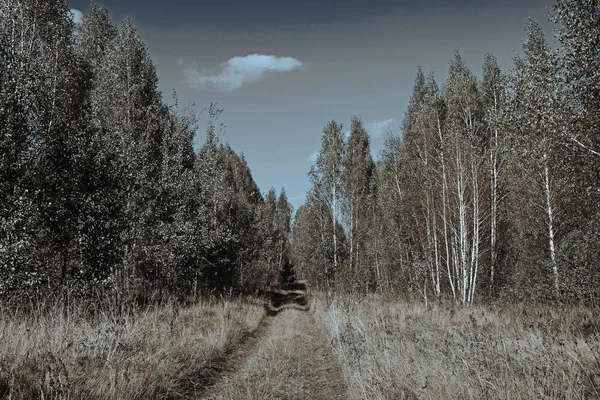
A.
x: 100, y: 186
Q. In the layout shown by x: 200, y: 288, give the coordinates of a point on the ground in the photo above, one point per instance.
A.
x: 287, y: 357
x: 346, y: 347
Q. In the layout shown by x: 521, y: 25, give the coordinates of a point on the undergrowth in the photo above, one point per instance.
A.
x: 393, y: 349
x: 58, y: 352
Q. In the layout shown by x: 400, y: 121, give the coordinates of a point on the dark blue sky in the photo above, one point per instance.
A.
x: 282, y: 69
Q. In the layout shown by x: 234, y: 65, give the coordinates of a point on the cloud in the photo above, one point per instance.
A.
x: 238, y: 71
x: 76, y: 15
x: 313, y: 157
x: 378, y: 128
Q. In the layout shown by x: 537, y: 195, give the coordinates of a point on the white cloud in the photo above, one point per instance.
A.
x: 378, y: 128
x: 76, y: 15
x: 180, y: 61
x: 240, y: 70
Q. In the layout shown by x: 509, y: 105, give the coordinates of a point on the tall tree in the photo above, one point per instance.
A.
x: 579, y: 36
x: 494, y: 103
x: 535, y: 122
x: 326, y: 179
x: 579, y: 65
x: 283, y: 222
x: 464, y: 139
x: 357, y: 184
x: 127, y: 106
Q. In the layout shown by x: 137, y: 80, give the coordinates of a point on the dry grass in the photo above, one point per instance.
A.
x: 390, y: 349
x: 291, y: 361
x: 154, y: 353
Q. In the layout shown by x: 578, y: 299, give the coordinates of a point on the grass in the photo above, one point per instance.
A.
x: 392, y: 349
x: 290, y: 360
x: 157, y: 352
x: 387, y: 349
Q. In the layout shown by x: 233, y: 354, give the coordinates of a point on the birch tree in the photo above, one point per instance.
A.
x: 356, y: 185
x: 494, y: 98
x: 464, y: 140
x: 326, y: 179
x: 535, y: 120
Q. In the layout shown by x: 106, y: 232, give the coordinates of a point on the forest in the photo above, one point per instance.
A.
x: 461, y: 262
x: 102, y: 191
x: 490, y: 191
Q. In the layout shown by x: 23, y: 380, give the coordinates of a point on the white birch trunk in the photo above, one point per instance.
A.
x: 494, y: 215
x: 462, y: 233
x: 475, y: 248
x: 444, y: 207
x: 333, y: 214
x: 550, y: 212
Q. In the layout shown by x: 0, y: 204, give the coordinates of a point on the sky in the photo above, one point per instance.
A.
x: 281, y: 69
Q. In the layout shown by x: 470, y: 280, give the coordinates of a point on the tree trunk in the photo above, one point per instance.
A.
x: 333, y: 214
x: 550, y: 212
x: 494, y: 215
x: 444, y: 208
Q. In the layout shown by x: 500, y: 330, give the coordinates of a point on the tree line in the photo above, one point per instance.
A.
x: 100, y: 186
x: 491, y: 191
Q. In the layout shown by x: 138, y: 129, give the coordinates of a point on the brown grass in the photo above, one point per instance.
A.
x: 391, y: 349
x: 291, y: 360
x: 154, y: 353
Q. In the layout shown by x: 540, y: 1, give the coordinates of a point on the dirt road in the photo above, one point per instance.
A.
x: 287, y: 357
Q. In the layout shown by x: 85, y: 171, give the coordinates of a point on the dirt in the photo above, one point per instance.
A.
x: 207, y: 376
x: 287, y: 357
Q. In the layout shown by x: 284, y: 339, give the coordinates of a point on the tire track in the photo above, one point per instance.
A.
x: 290, y: 359
x: 234, y: 355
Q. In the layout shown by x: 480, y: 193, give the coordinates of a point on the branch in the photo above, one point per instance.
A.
x: 584, y: 146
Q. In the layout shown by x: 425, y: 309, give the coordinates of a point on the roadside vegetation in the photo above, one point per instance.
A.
x: 76, y: 352
x: 394, y: 349
x: 481, y: 218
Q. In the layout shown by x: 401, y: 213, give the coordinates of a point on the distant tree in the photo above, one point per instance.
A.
x: 312, y: 246
x: 283, y: 223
